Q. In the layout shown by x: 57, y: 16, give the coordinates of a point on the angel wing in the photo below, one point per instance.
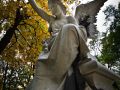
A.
x: 86, y: 15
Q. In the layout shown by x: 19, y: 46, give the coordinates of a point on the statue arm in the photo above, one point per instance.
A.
x: 40, y: 12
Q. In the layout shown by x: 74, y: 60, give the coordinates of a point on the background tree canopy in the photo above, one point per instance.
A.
x: 111, y: 40
x: 22, y: 42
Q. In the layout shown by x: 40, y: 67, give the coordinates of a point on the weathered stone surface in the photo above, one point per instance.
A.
x: 98, y: 75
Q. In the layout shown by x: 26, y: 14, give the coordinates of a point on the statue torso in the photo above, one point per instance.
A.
x: 56, y: 25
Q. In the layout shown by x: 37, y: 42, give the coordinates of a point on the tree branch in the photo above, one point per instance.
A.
x: 8, y: 36
x: 40, y: 12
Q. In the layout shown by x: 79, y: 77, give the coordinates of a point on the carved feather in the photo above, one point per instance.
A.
x: 86, y: 15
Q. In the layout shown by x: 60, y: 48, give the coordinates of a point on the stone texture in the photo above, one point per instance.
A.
x: 98, y: 75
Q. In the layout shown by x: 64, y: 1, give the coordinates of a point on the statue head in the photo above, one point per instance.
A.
x: 56, y: 7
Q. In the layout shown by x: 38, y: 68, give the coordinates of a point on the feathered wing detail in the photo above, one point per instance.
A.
x: 86, y: 15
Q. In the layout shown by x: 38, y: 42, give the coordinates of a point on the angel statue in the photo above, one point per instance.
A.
x: 67, y: 45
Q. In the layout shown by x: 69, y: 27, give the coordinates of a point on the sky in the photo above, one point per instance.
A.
x: 100, y: 16
x: 101, y: 20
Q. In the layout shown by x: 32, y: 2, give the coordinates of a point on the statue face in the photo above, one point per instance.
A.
x: 56, y: 9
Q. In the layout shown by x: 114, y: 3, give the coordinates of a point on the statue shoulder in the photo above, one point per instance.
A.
x: 71, y: 19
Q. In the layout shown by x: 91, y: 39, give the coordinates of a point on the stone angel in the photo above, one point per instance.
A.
x: 67, y: 42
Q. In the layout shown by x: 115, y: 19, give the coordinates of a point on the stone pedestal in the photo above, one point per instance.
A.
x: 98, y: 75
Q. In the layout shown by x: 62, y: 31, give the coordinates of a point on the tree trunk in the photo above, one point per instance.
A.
x: 8, y: 36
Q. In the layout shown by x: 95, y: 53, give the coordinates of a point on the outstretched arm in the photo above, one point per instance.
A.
x: 40, y: 12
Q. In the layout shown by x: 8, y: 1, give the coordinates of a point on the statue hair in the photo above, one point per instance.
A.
x: 58, y: 2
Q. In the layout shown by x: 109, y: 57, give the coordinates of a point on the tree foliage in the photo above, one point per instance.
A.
x: 111, y: 40
x: 15, y: 78
x: 25, y: 31
x: 29, y: 32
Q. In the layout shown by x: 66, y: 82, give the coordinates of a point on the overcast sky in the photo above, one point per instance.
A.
x: 101, y: 19
x: 101, y: 16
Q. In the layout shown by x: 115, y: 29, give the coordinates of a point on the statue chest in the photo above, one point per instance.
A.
x: 57, y: 25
